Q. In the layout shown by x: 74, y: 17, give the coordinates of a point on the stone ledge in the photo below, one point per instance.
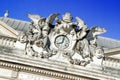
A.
x: 36, y: 65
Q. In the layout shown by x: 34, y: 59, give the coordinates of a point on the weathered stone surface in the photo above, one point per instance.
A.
x: 67, y: 50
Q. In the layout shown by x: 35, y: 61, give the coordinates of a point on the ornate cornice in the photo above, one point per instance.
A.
x: 54, y: 74
x: 48, y: 68
x: 113, y: 51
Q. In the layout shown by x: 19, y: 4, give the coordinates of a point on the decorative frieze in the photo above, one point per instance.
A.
x: 111, y: 62
x: 7, y: 41
x: 36, y: 71
x: 70, y: 72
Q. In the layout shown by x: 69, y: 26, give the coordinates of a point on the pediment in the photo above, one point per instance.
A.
x: 6, y: 30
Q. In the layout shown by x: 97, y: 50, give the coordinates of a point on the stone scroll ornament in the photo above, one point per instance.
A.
x: 55, y: 38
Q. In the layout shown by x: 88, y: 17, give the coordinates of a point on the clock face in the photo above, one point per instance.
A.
x: 61, y: 42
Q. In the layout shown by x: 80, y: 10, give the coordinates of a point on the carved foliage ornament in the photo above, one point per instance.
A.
x: 73, y: 41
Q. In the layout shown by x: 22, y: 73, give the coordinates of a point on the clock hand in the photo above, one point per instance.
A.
x: 63, y: 39
x: 59, y: 42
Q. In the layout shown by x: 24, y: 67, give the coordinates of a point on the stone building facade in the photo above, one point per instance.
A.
x: 18, y: 64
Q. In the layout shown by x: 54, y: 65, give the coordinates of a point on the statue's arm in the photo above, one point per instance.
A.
x: 80, y: 35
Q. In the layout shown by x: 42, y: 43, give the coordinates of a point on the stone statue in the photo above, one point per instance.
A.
x: 66, y: 41
x: 92, y: 34
x: 81, y: 23
x: 6, y: 13
x: 65, y: 25
x: 82, y: 45
x: 37, y: 23
x: 99, y: 52
x: 37, y: 41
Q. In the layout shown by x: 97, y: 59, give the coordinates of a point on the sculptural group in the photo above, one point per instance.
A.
x: 51, y: 36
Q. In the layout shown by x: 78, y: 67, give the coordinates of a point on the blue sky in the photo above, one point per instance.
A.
x: 104, y: 13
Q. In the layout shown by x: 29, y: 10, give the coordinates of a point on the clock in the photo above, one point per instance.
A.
x: 61, y: 42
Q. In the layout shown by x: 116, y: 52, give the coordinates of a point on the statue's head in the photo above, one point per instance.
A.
x: 67, y: 17
x: 45, y: 31
x: 7, y: 11
x: 41, y: 22
x: 22, y: 37
x: 99, y: 52
x: 39, y: 43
